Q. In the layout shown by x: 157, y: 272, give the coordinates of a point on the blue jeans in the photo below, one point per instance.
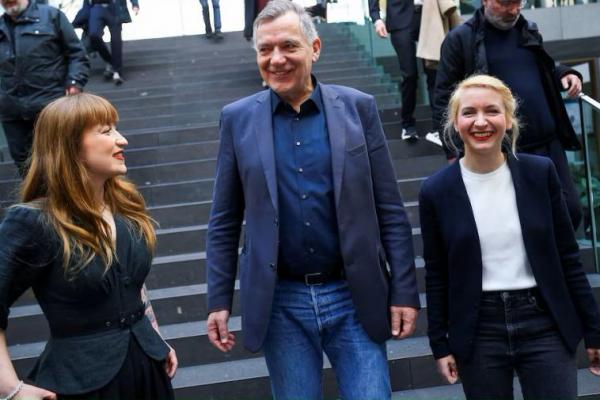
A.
x: 307, y: 320
x: 216, y: 15
x: 515, y: 333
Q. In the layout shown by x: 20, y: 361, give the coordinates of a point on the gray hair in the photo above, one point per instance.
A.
x: 276, y: 8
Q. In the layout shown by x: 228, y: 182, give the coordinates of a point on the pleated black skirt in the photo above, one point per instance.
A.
x: 140, y: 378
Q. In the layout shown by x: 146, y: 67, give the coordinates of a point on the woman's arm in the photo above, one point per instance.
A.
x: 436, y: 278
x: 171, y: 361
x: 10, y: 385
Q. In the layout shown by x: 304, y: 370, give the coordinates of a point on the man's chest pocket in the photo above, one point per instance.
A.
x: 37, y: 42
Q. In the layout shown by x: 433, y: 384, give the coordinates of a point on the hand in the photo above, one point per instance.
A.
x: 218, y: 332
x: 171, y: 363
x: 594, y: 357
x: 447, y: 368
x: 404, y: 321
x: 380, y: 28
x: 136, y: 10
x: 29, y: 392
x: 572, y: 84
x: 72, y: 90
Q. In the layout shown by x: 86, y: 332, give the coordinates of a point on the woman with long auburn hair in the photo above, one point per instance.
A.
x: 82, y: 239
x: 506, y: 290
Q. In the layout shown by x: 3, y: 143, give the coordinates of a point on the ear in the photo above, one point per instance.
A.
x: 316, y: 47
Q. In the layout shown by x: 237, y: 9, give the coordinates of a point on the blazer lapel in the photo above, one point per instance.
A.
x: 264, y: 138
x: 336, y: 127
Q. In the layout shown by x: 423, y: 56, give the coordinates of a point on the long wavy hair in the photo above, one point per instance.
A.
x: 59, y: 184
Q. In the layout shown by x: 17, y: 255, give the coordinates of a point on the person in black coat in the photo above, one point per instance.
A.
x: 82, y: 239
x: 500, y: 42
x: 506, y: 290
x: 41, y: 59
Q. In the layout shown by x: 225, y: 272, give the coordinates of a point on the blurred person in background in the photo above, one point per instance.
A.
x: 210, y: 34
x: 41, y: 59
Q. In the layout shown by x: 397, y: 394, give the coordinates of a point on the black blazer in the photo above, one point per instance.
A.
x: 453, y: 256
x: 398, y: 13
x: 89, y: 316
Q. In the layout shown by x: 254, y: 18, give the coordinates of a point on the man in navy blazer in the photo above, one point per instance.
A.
x: 327, y: 261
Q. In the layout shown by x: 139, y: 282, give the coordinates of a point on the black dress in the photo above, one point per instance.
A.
x: 101, y: 343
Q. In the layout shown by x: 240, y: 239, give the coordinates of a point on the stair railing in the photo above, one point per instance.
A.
x: 587, y: 100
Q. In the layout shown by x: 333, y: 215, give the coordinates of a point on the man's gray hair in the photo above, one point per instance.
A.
x: 276, y: 8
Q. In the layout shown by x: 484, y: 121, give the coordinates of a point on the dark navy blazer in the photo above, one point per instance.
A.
x: 372, y: 224
x: 453, y: 256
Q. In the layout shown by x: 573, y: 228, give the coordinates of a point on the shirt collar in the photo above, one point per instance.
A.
x: 315, y: 99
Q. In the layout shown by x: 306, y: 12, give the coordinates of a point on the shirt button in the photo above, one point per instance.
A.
x: 311, y: 250
x: 307, y: 223
x: 298, y: 143
x: 297, y: 119
x: 301, y: 170
x: 304, y: 196
x: 108, y: 324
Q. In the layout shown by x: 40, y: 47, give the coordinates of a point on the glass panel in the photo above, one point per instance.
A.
x: 587, y: 176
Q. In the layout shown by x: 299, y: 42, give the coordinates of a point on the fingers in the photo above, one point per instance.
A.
x: 447, y: 368
x: 218, y: 332
x: 380, y: 28
x: 572, y: 84
x: 594, y: 357
x: 29, y: 392
x: 403, y: 321
x: 171, y: 364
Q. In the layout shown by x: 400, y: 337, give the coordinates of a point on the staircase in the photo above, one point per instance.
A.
x: 169, y: 109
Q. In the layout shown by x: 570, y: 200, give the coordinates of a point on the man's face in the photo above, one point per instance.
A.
x: 285, y: 57
x: 14, y: 7
x: 503, y: 14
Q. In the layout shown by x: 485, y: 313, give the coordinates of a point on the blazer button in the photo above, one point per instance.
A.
x: 272, y: 265
x: 108, y: 324
x: 127, y: 280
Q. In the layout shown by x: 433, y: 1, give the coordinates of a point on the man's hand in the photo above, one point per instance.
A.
x: 404, y: 321
x: 447, y: 368
x: 218, y: 333
x: 594, y: 357
x: 29, y: 392
x: 572, y: 84
x: 72, y: 90
x: 380, y: 28
x: 136, y: 10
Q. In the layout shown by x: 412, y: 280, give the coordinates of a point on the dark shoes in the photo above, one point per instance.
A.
x: 217, y: 36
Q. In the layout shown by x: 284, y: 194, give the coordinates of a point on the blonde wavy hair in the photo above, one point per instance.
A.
x: 509, y: 102
x: 58, y: 183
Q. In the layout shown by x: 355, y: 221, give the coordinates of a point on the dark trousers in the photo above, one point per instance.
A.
x: 515, y: 333
x: 19, y: 136
x: 101, y: 17
x: 404, y: 42
x: 555, y: 151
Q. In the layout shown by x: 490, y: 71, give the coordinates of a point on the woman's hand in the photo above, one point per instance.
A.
x: 447, y: 368
x: 29, y: 392
x: 594, y: 357
x: 171, y: 363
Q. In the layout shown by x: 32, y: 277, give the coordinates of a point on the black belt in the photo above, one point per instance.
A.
x: 101, y: 2
x: 123, y: 320
x: 315, y: 278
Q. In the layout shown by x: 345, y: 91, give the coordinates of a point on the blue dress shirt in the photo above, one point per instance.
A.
x: 309, y: 240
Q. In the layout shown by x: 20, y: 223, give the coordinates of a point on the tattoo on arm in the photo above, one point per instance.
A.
x: 148, y: 311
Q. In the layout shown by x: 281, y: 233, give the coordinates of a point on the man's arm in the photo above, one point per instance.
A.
x: 451, y: 70
x: 135, y: 6
x: 223, y: 237
x: 78, y: 62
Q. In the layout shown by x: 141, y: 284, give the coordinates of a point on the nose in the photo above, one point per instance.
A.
x: 480, y: 120
x: 277, y: 57
x: 120, y: 139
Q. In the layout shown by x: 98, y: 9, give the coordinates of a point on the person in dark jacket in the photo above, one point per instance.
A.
x: 41, y: 59
x: 506, y: 289
x: 93, y: 17
x: 499, y: 41
x: 82, y: 239
x: 403, y: 22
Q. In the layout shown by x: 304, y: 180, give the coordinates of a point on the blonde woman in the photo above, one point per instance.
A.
x: 506, y: 290
x: 81, y: 238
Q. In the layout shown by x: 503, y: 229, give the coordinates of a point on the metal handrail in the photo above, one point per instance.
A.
x: 588, y: 172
